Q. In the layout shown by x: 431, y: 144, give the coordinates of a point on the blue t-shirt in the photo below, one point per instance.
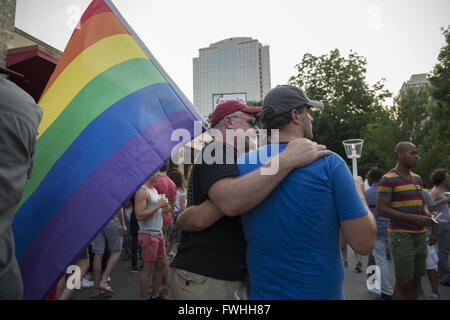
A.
x: 292, y: 237
x: 371, y: 198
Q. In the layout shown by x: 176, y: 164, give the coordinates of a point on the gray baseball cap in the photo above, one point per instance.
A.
x: 284, y: 98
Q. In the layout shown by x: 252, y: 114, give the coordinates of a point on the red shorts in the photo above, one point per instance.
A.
x: 153, y: 247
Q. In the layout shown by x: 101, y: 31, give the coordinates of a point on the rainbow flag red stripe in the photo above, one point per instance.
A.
x: 109, y: 113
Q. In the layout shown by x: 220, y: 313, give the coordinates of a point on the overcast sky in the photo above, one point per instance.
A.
x: 398, y: 37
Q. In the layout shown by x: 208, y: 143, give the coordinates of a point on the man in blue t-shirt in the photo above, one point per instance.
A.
x: 293, y: 235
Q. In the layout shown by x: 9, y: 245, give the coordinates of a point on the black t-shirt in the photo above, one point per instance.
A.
x: 218, y: 251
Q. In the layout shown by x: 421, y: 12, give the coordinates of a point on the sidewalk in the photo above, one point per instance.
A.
x: 126, y: 284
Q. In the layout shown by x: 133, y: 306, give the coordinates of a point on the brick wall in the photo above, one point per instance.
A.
x: 7, y: 15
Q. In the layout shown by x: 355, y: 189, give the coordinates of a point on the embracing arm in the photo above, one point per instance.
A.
x: 236, y: 195
x: 198, y: 218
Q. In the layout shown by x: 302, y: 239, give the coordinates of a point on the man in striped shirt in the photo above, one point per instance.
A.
x: 400, y: 199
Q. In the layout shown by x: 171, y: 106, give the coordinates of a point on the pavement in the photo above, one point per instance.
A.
x: 126, y: 284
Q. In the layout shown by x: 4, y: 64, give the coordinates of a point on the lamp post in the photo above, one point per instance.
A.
x: 353, y: 149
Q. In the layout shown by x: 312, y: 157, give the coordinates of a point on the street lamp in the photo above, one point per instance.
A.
x: 353, y: 149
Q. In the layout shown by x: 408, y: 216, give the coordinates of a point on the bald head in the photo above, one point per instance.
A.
x: 406, y: 154
x: 403, y: 147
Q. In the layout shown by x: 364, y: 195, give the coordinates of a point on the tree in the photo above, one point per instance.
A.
x: 379, y: 141
x: 420, y: 115
x: 436, y: 145
x: 253, y: 103
x: 350, y: 103
x: 407, y: 120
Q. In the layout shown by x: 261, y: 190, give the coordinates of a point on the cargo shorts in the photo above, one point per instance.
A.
x: 409, y: 254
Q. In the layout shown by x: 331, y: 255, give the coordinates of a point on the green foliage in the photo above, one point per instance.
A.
x: 353, y: 109
x: 350, y: 103
x: 253, y: 103
x: 436, y: 144
x: 380, y: 138
x: 407, y: 120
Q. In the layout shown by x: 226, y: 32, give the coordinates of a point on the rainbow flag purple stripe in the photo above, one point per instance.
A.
x: 109, y: 113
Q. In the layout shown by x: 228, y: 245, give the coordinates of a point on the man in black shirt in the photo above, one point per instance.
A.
x: 210, y: 263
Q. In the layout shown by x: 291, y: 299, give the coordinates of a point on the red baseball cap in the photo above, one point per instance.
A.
x: 228, y: 107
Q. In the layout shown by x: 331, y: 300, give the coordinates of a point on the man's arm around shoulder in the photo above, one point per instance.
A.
x: 234, y: 196
x: 198, y: 218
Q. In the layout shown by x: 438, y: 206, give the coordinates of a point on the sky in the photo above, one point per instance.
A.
x: 397, y: 37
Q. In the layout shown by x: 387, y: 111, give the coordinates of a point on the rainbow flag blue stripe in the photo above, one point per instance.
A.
x: 109, y: 113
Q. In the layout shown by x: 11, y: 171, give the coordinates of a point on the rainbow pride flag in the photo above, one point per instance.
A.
x: 109, y: 113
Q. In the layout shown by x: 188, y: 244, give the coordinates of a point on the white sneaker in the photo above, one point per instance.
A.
x: 89, y: 276
x: 433, y: 296
x: 86, y: 284
x: 375, y: 292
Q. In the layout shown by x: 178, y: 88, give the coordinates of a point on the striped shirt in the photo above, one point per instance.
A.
x: 406, y: 197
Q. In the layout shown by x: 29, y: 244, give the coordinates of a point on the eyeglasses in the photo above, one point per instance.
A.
x: 251, y: 122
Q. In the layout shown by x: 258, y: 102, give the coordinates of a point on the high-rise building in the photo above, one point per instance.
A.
x: 231, y: 66
x: 416, y: 81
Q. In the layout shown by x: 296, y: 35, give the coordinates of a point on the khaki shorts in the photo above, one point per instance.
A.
x: 409, y: 253
x: 185, y: 285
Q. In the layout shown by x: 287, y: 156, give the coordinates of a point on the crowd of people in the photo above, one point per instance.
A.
x: 312, y: 207
x: 235, y: 232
